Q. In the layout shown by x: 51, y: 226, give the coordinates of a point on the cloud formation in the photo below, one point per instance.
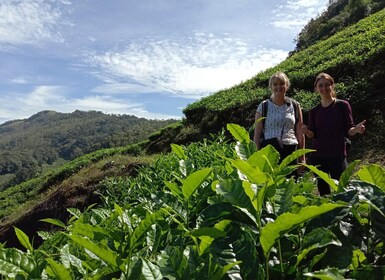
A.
x: 58, y: 98
x: 296, y: 13
x: 146, y: 58
x: 188, y: 67
x: 30, y: 22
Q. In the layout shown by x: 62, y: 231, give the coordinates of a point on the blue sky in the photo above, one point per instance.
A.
x: 148, y: 58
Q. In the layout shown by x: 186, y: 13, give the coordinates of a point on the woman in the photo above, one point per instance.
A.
x: 282, y: 126
x: 329, y: 123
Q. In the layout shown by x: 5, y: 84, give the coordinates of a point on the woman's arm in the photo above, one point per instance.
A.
x: 304, y: 128
x: 306, y: 131
x: 359, y: 128
x: 299, y: 134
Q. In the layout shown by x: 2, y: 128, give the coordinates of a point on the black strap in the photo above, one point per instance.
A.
x: 265, y: 107
x: 288, y: 102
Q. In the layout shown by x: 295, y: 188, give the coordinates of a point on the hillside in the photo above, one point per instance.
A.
x: 338, y: 15
x: 75, y: 186
x: 355, y: 57
x: 196, y: 211
x: 48, y: 139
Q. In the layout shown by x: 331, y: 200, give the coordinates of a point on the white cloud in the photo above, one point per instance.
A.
x: 31, y: 80
x: 190, y: 67
x: 57, y: 98
x: 30, y: 22
x: 43, y: 96
x: 19, y: 80
x: 111, y: 105
x: 123, y: 88
x: 294, y: 14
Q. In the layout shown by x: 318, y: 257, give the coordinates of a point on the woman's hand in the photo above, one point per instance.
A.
x: 359, y: 128
x: 305, y: 130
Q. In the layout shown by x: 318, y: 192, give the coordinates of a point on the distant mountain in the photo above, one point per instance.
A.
x: 48, y: 138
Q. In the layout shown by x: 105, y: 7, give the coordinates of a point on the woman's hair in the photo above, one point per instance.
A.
x: 281, y: 77
x: 328, y: 78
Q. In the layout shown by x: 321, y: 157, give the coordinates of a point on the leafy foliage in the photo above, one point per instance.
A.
x: 216, y: 210
x: 338, y: 15
x: 15, y: 197
x: 224, y: 210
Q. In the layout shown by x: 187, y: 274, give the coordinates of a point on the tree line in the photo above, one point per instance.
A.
x: 338, y: 15
x: 47, y: 139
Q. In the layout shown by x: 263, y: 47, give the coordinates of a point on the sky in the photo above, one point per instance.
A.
x: 148, y: 58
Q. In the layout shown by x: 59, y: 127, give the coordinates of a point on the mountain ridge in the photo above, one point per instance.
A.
x: 48, y: 138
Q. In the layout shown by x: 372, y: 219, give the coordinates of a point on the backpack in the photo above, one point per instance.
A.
x: 289, y: 101
x: 342, y: 109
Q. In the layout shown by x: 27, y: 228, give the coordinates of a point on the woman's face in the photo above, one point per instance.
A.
x: 278, y: 86
x: 324, y: 87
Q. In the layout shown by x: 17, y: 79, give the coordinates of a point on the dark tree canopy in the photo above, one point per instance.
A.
x: 29, y: 146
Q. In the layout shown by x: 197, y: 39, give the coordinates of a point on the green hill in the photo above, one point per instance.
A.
x: 213, y: 209
x: 355, y: 57
x: 48, y: 139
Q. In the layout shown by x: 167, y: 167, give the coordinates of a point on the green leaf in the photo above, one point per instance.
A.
x: 323, y: 176
x: 94, y: 232
x: 15, y: 262
x: 24, y: 239
x: 150, y: 271
x: 251, y: 193
x: 357, y: 259
x: 178, y: 261
x: 76, y: 213
x: 288, y: 221
x: 68, y: 260
x: 233, y: 191
x: 145, y: 225
x: 245, y: 150
x: 101, y: 250
x: 178, y: 151
x: 283, y: 197
x: 253, y: 174
x: 318, y: 238
x: 208, y: 231
x: 374, y: 174
x: 55, y: 222
x: 220, y: 273
x: 58, y: 270
x: 174, y: 188
x: 193, y: 181
x: 326, y: 274
x: 135, y: 269
x: 265, y: 159
x: 141, y: 268
x: 293, y: 157
x: 346, y: 175
x: 208, y: 235
x: 238, y: 132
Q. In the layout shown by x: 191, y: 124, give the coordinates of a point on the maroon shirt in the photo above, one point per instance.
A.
x: 330, y: 125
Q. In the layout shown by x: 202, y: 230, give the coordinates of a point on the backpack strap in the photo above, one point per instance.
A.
x: 265, y: 107
x: 289, y: 101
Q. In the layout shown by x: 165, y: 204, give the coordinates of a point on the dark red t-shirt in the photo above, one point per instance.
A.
x: 330, y: 126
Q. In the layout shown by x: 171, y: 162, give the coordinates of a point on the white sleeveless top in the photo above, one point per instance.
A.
x: 280, y: 122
